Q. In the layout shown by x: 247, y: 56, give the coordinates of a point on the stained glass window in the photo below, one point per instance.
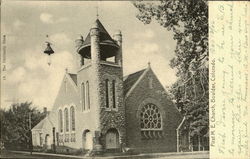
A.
x: 72, y: 115
x: 66, y: 115
x: 83, y: 96
x: 150, y: 117
x: 113, y: 91
x: 60, y: 121
x: 87, y: 95
x: 107, y: 92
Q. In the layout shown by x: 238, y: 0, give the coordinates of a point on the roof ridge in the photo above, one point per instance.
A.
x: 101, y: 27
x: 130, y: 80
x: 104, y: 35
x: 40, y: 124
x: 135, y: 72
x: 73, y: 77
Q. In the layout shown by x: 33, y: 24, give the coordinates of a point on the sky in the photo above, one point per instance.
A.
x: 26, y: 24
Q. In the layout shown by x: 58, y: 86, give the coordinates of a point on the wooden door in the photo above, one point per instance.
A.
x: 112, y: 140
x: 89, y: 141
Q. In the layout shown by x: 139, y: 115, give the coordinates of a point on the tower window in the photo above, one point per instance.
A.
x: 150, y: 82
x: 72, y: 117
x: 83, y: 96
x: 113, y: 92
x: 82, y: 60
x: 65, y: 86
x: 110, y: 59
x: 87, y: 95
x: 60, y: 121
x: 66, y: 115
x: 107, y: 92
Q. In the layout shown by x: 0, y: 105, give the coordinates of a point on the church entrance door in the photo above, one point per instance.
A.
x: 47, y: 142
x: 112, y: 139
x: 87, y: 140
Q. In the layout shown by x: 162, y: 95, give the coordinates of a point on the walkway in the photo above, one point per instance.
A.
x: 39, y: 155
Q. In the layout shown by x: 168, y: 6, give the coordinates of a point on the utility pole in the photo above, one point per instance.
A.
x: 30, y: 121
x: 54, y: 139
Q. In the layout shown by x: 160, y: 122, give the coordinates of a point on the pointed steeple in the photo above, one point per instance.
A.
x: 104, y: 35
x: 106, y: 42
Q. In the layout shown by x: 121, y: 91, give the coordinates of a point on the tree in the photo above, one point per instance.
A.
x: 188, y: 20
x: 15, y: 132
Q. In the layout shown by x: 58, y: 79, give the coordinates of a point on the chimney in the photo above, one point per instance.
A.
x: 45, y: 110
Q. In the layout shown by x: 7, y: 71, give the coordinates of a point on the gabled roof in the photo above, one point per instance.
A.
x: 104, y: 35
x: 130, y: 80
x: 73, y: 77
x: 39, y: 126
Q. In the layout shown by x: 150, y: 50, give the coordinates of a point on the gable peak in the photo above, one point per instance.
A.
x: 99, y: 25
x: 149, y: 65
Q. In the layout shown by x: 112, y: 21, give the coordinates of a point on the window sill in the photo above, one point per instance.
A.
x: 111, y: 110
x: 110, y: 63
x: 67, y: 133
x: 86, y: 111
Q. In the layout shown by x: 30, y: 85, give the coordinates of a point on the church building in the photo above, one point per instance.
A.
x: 100, y: 110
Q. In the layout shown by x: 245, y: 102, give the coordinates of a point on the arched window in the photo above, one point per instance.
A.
x: 72, y: 117
x: 150, y: 82
x: 65, y: 86
x: 150, y: 117
x: 83, y: 96
x: 107, y: 92
x: 66, y: 118
x: 113, y: 93
x: 87, y: 95
x: 60, y: 121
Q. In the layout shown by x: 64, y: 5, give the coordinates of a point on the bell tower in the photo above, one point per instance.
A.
x: 100, y: 65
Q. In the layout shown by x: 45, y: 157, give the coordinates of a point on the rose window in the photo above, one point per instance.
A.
x: 150, y: 117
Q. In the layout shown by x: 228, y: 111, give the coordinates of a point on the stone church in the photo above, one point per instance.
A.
x: 100, y: 110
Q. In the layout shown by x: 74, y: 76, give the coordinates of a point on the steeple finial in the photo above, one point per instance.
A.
x: 148, y: 63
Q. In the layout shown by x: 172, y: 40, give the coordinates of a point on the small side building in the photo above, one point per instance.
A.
x: 42, y: 134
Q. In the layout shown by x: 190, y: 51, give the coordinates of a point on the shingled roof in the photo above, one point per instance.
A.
x: 104, y: 36
x: 73, y: 77
x: 130, y: 80
x: 39, y: 126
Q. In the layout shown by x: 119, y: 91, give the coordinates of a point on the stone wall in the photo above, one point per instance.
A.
x: 112, y: 118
